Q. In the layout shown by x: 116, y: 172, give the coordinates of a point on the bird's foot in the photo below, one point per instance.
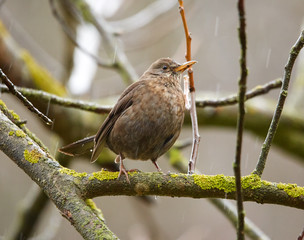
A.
x: 156, y: 165
x: 122, y: 169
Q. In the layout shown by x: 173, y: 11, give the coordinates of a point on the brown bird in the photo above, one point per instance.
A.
x: 146, y: 120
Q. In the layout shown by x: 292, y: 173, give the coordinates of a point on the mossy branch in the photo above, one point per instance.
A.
x: 61, y: 189
x: 65, y: 187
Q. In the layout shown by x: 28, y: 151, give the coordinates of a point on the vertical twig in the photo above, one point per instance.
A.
x: 278, y: 111
x: 196, y: 136
x: 23, y: 99
x: 240, y: 121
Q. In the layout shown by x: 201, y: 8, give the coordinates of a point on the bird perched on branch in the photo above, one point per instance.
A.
x: 146, y: 120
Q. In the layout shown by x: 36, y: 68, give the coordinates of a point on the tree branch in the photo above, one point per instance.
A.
x: 241, y: 119
x: 97, y: 108
x: 66, y: 102
x: 68, y: 188
x: 105, y: 183
x: 23, y: 99
x: 55, y: 179
x: 289, y: 137
x: 226, y: 101
x: 44, y: 170
x: 295, y: 50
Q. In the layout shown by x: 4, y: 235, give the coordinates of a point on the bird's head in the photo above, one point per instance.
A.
x: 166, y: 67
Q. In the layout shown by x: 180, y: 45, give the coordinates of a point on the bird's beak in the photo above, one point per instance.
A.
x: 184, y: 66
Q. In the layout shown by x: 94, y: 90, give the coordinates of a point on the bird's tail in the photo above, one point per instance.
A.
x: 79, y: 147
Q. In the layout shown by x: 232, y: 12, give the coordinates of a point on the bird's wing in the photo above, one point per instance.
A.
x: 123, y: 103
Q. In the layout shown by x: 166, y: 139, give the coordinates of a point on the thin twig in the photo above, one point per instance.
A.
x: 195, y: 133
x: 295, y: 50
x: 101, y: 109
x: 226, y: 101
x: 67, y: 30
x: 54, y: 99
x: 240, y: 120
x: 23, y: 99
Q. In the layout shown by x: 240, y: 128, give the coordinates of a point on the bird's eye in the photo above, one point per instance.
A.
x: 165, y: 67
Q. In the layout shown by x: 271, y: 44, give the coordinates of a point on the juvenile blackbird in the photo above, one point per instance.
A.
x: 146, y: 120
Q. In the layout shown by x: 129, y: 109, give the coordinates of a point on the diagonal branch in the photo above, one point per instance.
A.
x: 67, y: 30
x: 23, y: 99
x: 295, y: 50
x: 44, y: 170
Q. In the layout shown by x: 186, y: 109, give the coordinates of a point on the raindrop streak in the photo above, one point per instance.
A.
x: 48, y: 108
x: 268, y: 57
x: 56, y: 148
x: 217, y: 91
x: 246, y: 161
x: 115, y: 52
x: 52, y: 128
x: 217, y: 20
x: 225, y: 205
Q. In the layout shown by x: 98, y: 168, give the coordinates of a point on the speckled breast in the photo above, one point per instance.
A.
x: 151, y: 125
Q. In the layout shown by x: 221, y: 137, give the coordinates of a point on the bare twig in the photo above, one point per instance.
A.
x: 279, y: 108
x: 23, y: 99
x: 195, y: 133
x: 241, y: 119
x: 258, y: 90
x: 67, y: 30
